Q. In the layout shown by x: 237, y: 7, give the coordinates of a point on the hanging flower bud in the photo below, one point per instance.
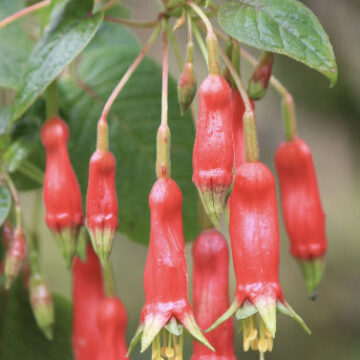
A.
x: 42, y: 304
x: 187, y: 81
x: 302, y: 210
x: 165, y: 278
x: 112, y: 320
x: 213, y: 150
x: 7, y: 233
x: 88, y: 294
x: 61, y: 190
x: 259, y: 80
x: 210, y: 294
x: 15, y: 257
x: 101, y: 203
x: 254, y: 233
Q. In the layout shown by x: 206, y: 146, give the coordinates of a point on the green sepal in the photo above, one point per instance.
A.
x: 102, y: 240
x: 192, y: 327
x: 152, y: 326
x: 136, y: 338
x: 246, y: 310
x: 227, y: 315
x: 267, y: 310
x: 81, y: 246
x: 173, y: 327
x: 313, y: 271
x: 286, y: 309
x: 214, y: 203
x: 66, y: 240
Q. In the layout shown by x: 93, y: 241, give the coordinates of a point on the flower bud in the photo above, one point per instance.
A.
x: 15, y: 257
x: 112, y: 321
x: 7, y: 233
x: 187, y: 81
x: 259, y: 80
x: 42, y: 304
x: 101, y: 203
x: 213, y: 153
x: 61, y: 189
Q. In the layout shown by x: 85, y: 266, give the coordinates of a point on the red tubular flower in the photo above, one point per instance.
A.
x: 210, y: 294
x: 213, y: 149
x: 254, y: 232
x: 237, y: 110
x: 61, y: 189
x: 165, y: 277
x: 15, y: 256
x: 112, y: 320
x: 101, y: 203
x: 302, y: 210
x: 88, y: 294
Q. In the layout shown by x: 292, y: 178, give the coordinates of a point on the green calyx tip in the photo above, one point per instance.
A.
x: 256, y: 90
x: 66, y: 240
x: 102, y: 240
x: 214, y: 203
x: 12, y: 269
x: 313, y: 271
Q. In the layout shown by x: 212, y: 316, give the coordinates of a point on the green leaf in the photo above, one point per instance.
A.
x: 133, y: 121
x: 18, y: 151
x: 20, y: 337
x: 286, y: 27
x: 15, y: 46
x: 66, y: 37
x: 5, y: 203
x: 5, y: 115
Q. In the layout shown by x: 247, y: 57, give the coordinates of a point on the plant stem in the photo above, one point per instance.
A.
x: 52, y: 106
x: 129, y: 72
x: 28, y: 10
x: 108, y: 276
x: 175, y: 46
x: 15, y: 196
x: 201, y: 43
x: 211, y: 40
x: 163, y: 140
x: 251, y: 142
x: 132, y: 23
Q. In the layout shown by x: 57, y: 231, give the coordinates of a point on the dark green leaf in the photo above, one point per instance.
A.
x: 66, y: 37
x: 286, y: 27
x: 5, y: 115
x: 20, y: 337
x: 15, y: 46
x: 134, y: 119
x: 5, y: 203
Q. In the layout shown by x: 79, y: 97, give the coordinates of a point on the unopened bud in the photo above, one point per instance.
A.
x: 15, y: 257
x: 7, y: 233
x: 42, y: 305
x: 186, y: 87
x: 259, y: 80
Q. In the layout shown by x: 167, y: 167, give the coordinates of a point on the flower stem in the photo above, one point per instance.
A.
x: 175, y: 46
x: 52, y: 106
x: 201, y: 43
x: 129, y: 72
x: 23, y: 12
x: 108, y: 275
x: 251, y: 141
x: 132, y: 23
x: 15, y: 196
x: 163, y: 166
x: 211, y: 40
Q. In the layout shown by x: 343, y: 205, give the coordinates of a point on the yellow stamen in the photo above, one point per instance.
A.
x: 262, y: 345
x: 270, y: 344
x: 254, y: 344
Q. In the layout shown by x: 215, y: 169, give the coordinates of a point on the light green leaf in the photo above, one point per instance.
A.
x: 66, y: 37
x: 133, y: 120
x: 286, y: 27
x: 5, y: 203
x: 15, y: 45
x: 18, y: 151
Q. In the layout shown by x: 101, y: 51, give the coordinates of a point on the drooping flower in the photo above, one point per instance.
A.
x: 165, y: 278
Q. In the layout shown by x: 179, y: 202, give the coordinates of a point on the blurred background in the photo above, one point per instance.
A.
x: 328, y: 120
